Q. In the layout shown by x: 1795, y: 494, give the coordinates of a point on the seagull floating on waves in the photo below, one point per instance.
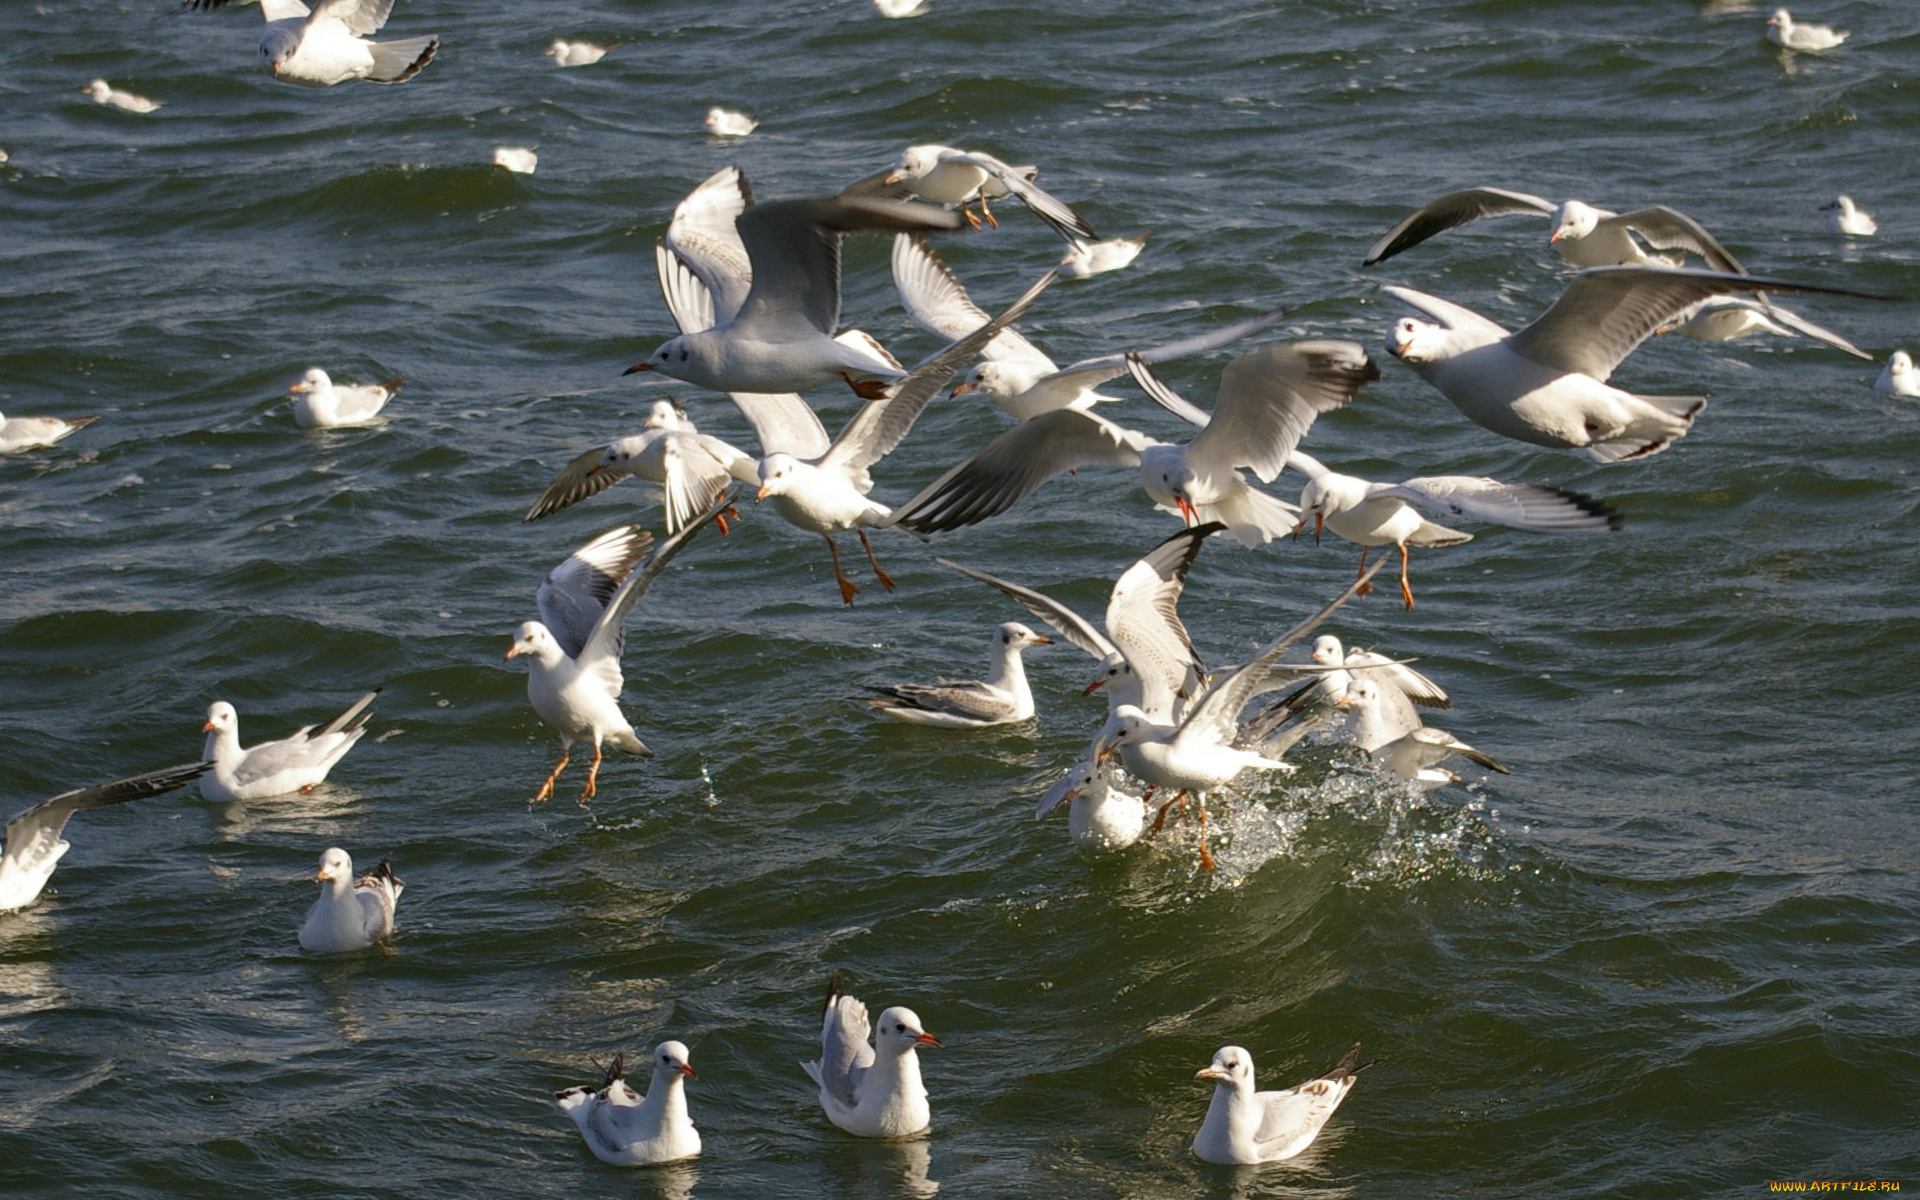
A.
x: 350, y: 914
x: 1245, y: 1127
x: 1103, y: 817
x: 1383, y: 514
x: 723, y: 122
x: 574, y: 680
x: 329, y: 44
x: 896, y: 9
x: 945, y: 175
x: 691, y: 468
x: 114, y: 98
x: 1547, y: 384
x: 1399, y: 742
x: 575, y: 54
x: 1850, y: 219
x: 323, y: 404
x: 32, y: 433
x: 1898, y: 376
x: 626, y: 1129
x: 1003, y: 698
x: 1724, y: 318
x: 1785, y: 32
x: 34, y: 845
x: 520, y: 160
x: 1582, y: 234
x: 1013, y: 372
x: 298, y: 763
x: 870, y: 1090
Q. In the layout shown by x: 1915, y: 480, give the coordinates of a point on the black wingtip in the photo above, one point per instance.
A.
x: 1349, y: 1064
x: 616, y: 1070
x: 1592, y: 506
x: 836, y: 988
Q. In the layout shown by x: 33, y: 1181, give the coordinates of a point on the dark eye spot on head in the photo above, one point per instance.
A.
x: 683, y: 356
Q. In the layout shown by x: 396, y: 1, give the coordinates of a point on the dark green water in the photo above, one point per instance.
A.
x: 1673, y: 954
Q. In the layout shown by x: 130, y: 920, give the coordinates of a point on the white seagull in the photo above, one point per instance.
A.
x: 575, y: 54
x: 948, y: 176
x: 298, y: 763
x: 723, y: 122
x: 350, y: 914
x: 1850, y: 219
x: 520, y: 160
x: 328, y: 44
x: 34, y: 845
x: 1724, y: 318
x: 574, y: 680
x: 1785, y: 32
x: 1013, y: 372
x: 626, y: 1129
x: 1389, y: 730
x: 32, y: 433
x: 1245, y: 1127
x: 1547, y: 384
x: 323, y: 404
x: 895, y: 9
x: 1086, y: 259
x: 1003, y: 698
x: 1898, y: 376
x: 1401, y: 687
x: 1582, y: 234
x: 1103, y: 816
x: 1268, y: 398
x: 1372, y: 514
x: 692, y: 468
x: 100, y: 93
x: 870, y: 1090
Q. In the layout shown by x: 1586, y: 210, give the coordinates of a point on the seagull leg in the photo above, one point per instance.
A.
x: 720, y: 518
x: 885, y: 582
x: 593, y: 774
x: 1406, y: 591
x: 968, y: 214
x: 1160, y: 818
x: 846, y: 585
x: 1365, y: 587
x: 866, y: 389
x: 1206, y: 856
x: 987, y: 212
x: 546, y: 789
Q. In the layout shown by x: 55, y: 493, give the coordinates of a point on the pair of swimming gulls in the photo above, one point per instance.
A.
x: 870, y: 1085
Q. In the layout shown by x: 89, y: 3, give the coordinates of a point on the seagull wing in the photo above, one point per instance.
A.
x: 587, y: 475
x: 1065, y: 222
x: 273, y: 10
x: 1468, y: 326
x: 1269, y: 399
x: 704, y: 234
x: 845, y: 1053
x: 1091, y: 372
x: 574, y: 596
x: 1454, y: 208
x: 794, y: 248
x: 1071, y: 625
x: 1664, y: 228
x: 686, y: 293
x: 1528, y: 506
x: 694, y: 478
x: 783, y: 423
x: 938, y: 304
x: 1143, y: 619
x: 1800, y: 325
x: 601, y: 652
x: 361, y: 17
x: 33, y: 834
x: 1417, y: 687
x: 968, y: 701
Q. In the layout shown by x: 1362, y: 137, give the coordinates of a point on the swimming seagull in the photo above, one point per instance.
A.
x: 1383, y: 514
x: 900, y: 8
x: 1399, y: 742
x: 946, y: 175
x: 100, y: 93
x: 1849, y: 219
x: 575, y: 54
x: 574, y: 680
x: 1013, y: 372
x: 298, y: 763
x: 870, y: 1090
x: 629, y: 1130
x: 1103, y: 816
x: 723, y: 122
x: 1725, y: 318
x: 1086, y: 259
x: 777, y: 334
x: 1898, y: 376
x: 1547, y: 384
x: 521, y: 160
x: 34, y: 845
x: 1003, y: 698
x: 1784, y: 31
x: 323, y: 404
x: 328, y: 44
x: 350, y: 914
x: 1244, y: 1126
x: 692, y: 468
x: 32, y: 433
x: 1267, y: 400
x: 1582, y: 234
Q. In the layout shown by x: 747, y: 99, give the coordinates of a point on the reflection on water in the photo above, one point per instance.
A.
x: 670, y: 1181
x: 882, y: 1170
x: 25, y: 987
x: 307, y: 814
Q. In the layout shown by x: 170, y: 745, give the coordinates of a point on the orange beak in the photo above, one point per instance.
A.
x: 638, y: 367
x: 512, y: 652
x: 1557, y: 235
x: 1208, y: 1073
x: 1044, y: 641
x: 302, y: 386
x: 320, y: 876
x: 1319, y: 519
x: 762, y: 494
x: 1187, y: 510
x: 961, y: 390
x: 686, y: 1070
x: 1095, y: 686
x: 207, y: 728
x: 924, y: 1038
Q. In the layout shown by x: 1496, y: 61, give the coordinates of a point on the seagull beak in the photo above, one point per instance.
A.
x: 637, y: 368
x: 512, y: 652
x: 1209, y: 1073
x: 1095, y: 686
x: 762, y: 494
x: 923, y: 1038
x: 1557, y: 235
x: 894, y: 177
x: 686, y: 1070
x: 961, y: 390
x: 1042, y: 641
x: 1187, y: 511
x: 207, y: 728
x: 320, y: 876
x: 1319, y: 519
x: 1106, y: 752
x: 1298, y: 528
x: 1344, y: 701
x: 302, y: 386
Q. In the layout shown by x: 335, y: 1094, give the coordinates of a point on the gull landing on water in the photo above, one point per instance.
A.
x: 945, y: 175
x: 1245, y: 1127
x: 1393, y: 734
x: 329, y: 43
x: 1003, y: 698
x: 324, y: 404
x: 626, y: 1129
x: 722, y: 122
x: 34, y: 845
x: 870, y: 1090
x: 691, y: 468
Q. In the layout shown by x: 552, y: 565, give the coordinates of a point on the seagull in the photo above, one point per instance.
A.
x: 575, y: 54
x: 1785, y: 32
x: 775, y: 334
x: 1014, y: 373
x: 870, y: 1090
x: 1724, y: 318
x: 948, y: 176
x: 328, y: 44
x: 900, y: 8
x: 102, y: 94
x: 326, y: 405
x: 1087, y: 259
x: 1848, y: 219
x: 629, y: 1130
x: 350, y: 914
x: 691, y: 468
x: 1401, y: 687
x: 1899, y: 377
x: 1003, y: 698
x: 1547, y: 384
x: 1582, y: 234
x: 31, y: 433
x: 521, y: 160
x: 1103, y: 817
x: 1268, y: 398
x: 1394, y: 735
x: 574, y: 680
x: 1244, y: 1126
x: 723, y: 122
x: 34, y: 844
x: 298, y: 763
x: 1383, y: 514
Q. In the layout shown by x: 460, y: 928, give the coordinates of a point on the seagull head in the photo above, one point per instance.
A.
x: 1326, y: 651
x: 776, y: 473
x: 666, y: 414
x: 1016, y: 636
x: 1573, y: 220
x: 1899, y: 362
x: 98, y: 89
x: 220, y: 717
x: 335, y: 867
x: 315, y: 380
x: 1176, y: 482
x: 1780, y: 19
x: 674, y: 352
x: 1131, y: 723
x: 276, y: 47
x: 1414, y: 341
x: 1362, y: 694
x: 1079, y: 779
x: 1231, y: 1067
x: 1112, y: 668
x: 1840, y: 203
x: 533, y: 638
x: 915, y: 162
x: 900, y: 1031
x: 558, y: 48
x: 670, y: 1059
x: 624, y: 449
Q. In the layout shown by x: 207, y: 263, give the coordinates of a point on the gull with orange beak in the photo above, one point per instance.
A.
x: 293, y: 764
x: 331, y: 43
x: 1582, y: 234
x: 945, y: 175
x: 323, y: 404
x: 574, y: 678
x: 1003, y: 698
x: 690, y: 467
x: 870, y: 1090
x: 350, y: 914
x: 1245, y: 1127
x: 626, y: 1129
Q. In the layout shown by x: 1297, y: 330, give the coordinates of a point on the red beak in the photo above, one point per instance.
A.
x: 637, y: 367
x: 1095, y: 686
x: 1188, y: 511
x: 925, y: 1039
x: 686, y: 1070
x: 1318, y: 519
x: 207, y: 728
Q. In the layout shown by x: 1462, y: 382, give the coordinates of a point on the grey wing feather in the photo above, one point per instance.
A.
x: 1270, y: 397
x: 587, y: 475
x: 1528, y: 506
x: 937, y: 302
x: 1012, y: 466
x: 574, y: 596
x: 608, y: 638
x: 1417, y: 687
x: 1806, y: 328
x: 844, y: 1052
x: 1143, y: 618
x: 688, y: 298
x: 783, y: 423
x: 346, y: 722
x: 693, y: 478
x: 32, y: 832
x: 361, y: 17
x: 1664, y: 228
x: 1164, y: 396
x: 794, y: 248
x: 1055, y: 212
x: 703, y: 233
x: 1454, y: 208
x: 969, y: 700
x: 1071, y: 625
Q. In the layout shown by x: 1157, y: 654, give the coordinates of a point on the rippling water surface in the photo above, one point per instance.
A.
x: 1673, y: 954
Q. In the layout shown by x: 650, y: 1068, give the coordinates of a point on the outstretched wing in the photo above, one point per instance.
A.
x: 1269, y: 399
x: 703, y: 234
x: 1528, y: 506
x: 1143, y: 619
x: 794, y: 248
x: 574, y: 596
x: 1664, y: 228
x: 1454, y: 208
x: 362, y: 18
x: 1065, y: 222
x: 601, y: 652
x: 938, y: 304
x: 587, y: 475
x: 1071, y: 625
x: 33, y: 834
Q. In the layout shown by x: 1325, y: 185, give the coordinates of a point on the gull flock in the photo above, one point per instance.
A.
x: 753, y: 288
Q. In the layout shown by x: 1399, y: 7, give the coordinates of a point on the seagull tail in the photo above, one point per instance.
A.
x: 1253, y: 517
x: 1664, y: 420
x: 397, y: 62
